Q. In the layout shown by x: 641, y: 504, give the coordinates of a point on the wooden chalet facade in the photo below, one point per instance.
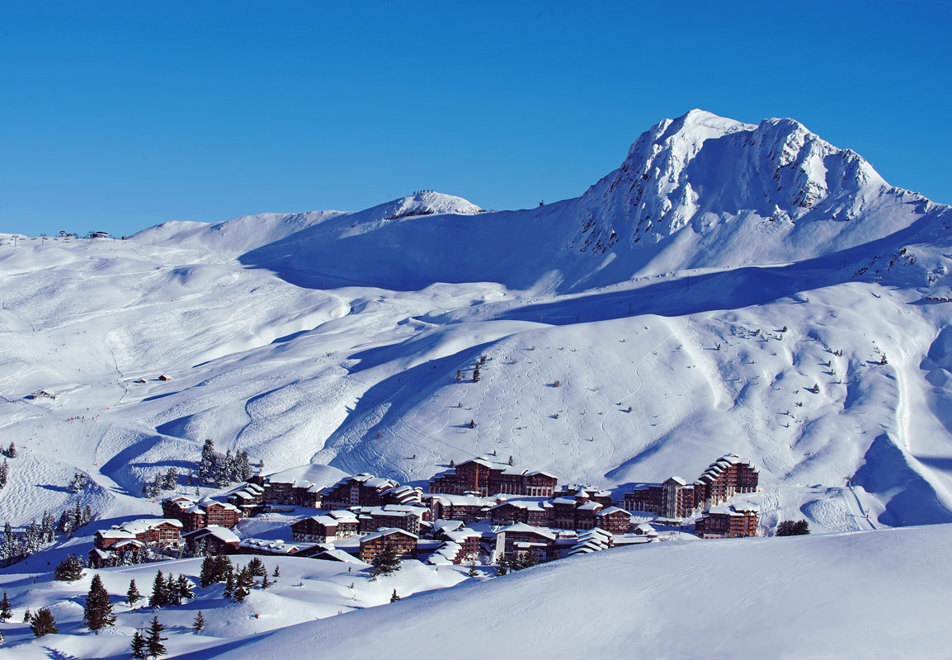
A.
x: 155, y: 532
x: 485, y: 476
x: 615, y: 520
x: 325, y: 528
x: 213, y: 540
x: 400, y: 540
x: 517, y: 540
x: 198, y: 514
x: 358, y: 490
x: 727, y: 522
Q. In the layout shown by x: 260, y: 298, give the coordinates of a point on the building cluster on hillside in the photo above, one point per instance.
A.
x: 481, y: 506
x: 675, y: 499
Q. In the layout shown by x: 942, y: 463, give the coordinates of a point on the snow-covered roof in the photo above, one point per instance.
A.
x: 613, y: 510
x: 644, y: 529
x: 387, y: 532
x: 529, y: 529
x: 144, y: 524
x: 590, y: 506
x: 221, y: 533
x: 677, y: 480
x: 460, y: 535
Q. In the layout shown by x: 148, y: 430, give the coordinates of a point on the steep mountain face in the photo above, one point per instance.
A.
x: 731, y: 287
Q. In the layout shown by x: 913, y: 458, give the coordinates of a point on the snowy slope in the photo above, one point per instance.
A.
x: 873, y: 595
x: 773, y: 262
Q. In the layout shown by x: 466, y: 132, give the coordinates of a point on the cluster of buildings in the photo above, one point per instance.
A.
x: 481, y: 506
x: 676, y: 499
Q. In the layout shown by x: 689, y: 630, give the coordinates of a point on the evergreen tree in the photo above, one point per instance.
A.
x: 48, y: 527
x: 4, y: 471
x: 183, y: 588
x: 459, y: 375
x: 153, y: 642
x: 277, y: 570
x: 5, y: 612
x: 32, y: 539
x: 207, y: 575
x: 502, y: 566
x: 43, y: 623
x: 139, y: 646
x: 160, y: 596
x: 8, y: 549
x: 386, y: 561
x: 257, y: 568
x: 394, y: 597
x: 69, y: 569
x: 170, y: 479
x: 198, y: 625
x: 243, y: 584
x: 472, y: 424
x: 208, y: 462
x: 27, y: 616
x: 132, y: 595
x: 229, y: 585
x: 793, y: 528
x: 265, y: 582
x: 98, y: 610
x: 171, y: 591
x: 472, y: 570
x: 476, y: 374
x: 12, y: 451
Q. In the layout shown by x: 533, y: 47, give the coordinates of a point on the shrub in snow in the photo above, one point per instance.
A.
x: 43, y: 623
x: 793, y: 528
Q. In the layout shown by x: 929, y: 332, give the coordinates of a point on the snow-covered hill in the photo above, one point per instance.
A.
x: 715, y: 278
x: 872, y: 595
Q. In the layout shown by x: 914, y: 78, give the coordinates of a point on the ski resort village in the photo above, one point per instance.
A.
x: 706, y: 403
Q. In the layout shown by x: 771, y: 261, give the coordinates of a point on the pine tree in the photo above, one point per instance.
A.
x: 98, y: 610
x: 277, y: 570
x: 160, y: 596
x: 68, y: 570
x: 139, y: 646
x: 459, y: 375
x: 183, y: 588
x: 502, y: 567
x: 394, y: 597
x: 170, y: 479
x: 198, y: 625
x: 43, y: 623
x: 265, y: 582
x: 476, y: 374
x: 153, y: 642
x: 5, y: 612
x: 472, y: 570
x: 208, y: 462
x: 243, y: 585
x: 257, y: 568
x: 207, y: 575
x: 27, y: 616
x: 8, y: 551
x: 386, y: 561
x: 32, y: 539
x: 12, y: 451
x: 48, y: 527
x: 132, y: 595
x: 4, y: 471
x: 472, y: 423
x: 229, y: 585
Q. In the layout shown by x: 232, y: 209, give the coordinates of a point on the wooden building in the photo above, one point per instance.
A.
x: 400, y: 540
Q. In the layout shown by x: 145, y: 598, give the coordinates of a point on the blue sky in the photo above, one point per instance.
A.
x: 118, y: 115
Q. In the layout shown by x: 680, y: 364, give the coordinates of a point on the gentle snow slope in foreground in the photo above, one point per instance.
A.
x: 879, y: 594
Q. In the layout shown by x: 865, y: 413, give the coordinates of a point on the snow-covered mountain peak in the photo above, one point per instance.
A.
x: 700, y: 170
x: 423, y: 202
